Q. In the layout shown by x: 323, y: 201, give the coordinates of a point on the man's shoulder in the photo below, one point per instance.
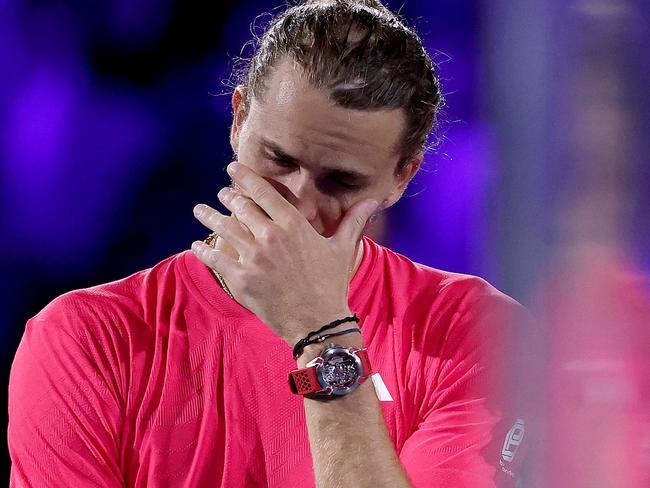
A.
x: 417, y: 279
x: 115, y: 301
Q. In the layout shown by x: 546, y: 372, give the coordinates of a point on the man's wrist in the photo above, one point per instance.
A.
x: 353, y: 339
x: 314, y: 322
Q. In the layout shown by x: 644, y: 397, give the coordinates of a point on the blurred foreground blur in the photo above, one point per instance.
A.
x: 594, y: 297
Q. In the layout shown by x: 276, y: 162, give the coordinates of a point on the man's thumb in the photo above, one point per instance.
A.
x: 355, y: 220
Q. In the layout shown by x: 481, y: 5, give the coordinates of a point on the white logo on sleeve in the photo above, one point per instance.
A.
x: 513, y: 440
x: 380, y: 388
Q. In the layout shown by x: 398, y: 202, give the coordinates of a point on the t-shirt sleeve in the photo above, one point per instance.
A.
x: 480, y: 415
x: 64, y: 412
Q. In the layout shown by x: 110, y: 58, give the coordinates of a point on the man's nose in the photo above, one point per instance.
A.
x: 304, y: 195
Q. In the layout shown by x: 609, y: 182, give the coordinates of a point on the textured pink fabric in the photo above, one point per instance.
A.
x: 161, y: 380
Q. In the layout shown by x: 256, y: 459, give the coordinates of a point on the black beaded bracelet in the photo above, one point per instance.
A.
x: 300, y: 345
x: 322, y: 338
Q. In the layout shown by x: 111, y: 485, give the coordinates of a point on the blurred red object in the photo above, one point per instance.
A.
x: 598, y: 425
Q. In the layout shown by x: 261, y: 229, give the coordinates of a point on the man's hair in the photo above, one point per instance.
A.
x: 362, y: 54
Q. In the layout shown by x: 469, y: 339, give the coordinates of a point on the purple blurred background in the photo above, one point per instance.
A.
x: 114, y: 123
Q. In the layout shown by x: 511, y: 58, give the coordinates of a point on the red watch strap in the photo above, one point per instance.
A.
x: 365, y: 363
x: 304, y: 381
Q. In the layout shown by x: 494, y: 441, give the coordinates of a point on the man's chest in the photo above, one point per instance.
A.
x: 224, y: 411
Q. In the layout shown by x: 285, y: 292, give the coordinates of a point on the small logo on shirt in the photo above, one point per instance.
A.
x: 513, y: 440
x: 380, y: 388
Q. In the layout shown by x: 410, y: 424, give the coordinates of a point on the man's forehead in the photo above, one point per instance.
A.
x: 292, y: 102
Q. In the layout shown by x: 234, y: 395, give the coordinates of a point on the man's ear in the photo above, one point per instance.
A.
x: 239, y: 108
x: 403, y: 178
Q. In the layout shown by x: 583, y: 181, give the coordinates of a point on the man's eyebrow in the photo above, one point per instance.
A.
x: 341, y: 173
x: 279, y: 152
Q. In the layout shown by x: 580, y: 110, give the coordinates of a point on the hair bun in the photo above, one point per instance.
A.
x: 376, y: 4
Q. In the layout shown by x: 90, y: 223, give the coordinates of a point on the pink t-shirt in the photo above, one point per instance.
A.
x: 161, y: 380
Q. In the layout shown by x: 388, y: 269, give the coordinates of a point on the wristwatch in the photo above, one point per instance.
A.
x: 337, y: 371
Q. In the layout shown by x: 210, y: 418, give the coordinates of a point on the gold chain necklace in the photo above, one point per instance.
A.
x: 211, y: 241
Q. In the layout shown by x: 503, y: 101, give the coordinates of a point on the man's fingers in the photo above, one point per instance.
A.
x: 226, y: 227
x: 261, y: 192
x: 218, y: 260
x: 246, y: 211
x: 355, y: 221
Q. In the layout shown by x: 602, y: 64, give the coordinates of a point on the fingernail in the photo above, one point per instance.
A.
x: 196, y: 246
x: 223, y: 193
x: 232, y: 168
x: 198, y: 210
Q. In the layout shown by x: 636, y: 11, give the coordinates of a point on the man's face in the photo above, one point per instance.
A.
x: 321, y: 157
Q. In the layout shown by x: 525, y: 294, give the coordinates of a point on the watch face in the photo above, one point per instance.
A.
x: 339, y: 370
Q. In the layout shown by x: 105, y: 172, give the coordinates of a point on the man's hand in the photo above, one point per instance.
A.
x: 291, y: 277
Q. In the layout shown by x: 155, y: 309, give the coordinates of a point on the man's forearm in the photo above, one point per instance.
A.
x: 348, y: 439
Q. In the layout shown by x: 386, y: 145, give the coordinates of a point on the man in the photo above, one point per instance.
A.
x: 199, y: 371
